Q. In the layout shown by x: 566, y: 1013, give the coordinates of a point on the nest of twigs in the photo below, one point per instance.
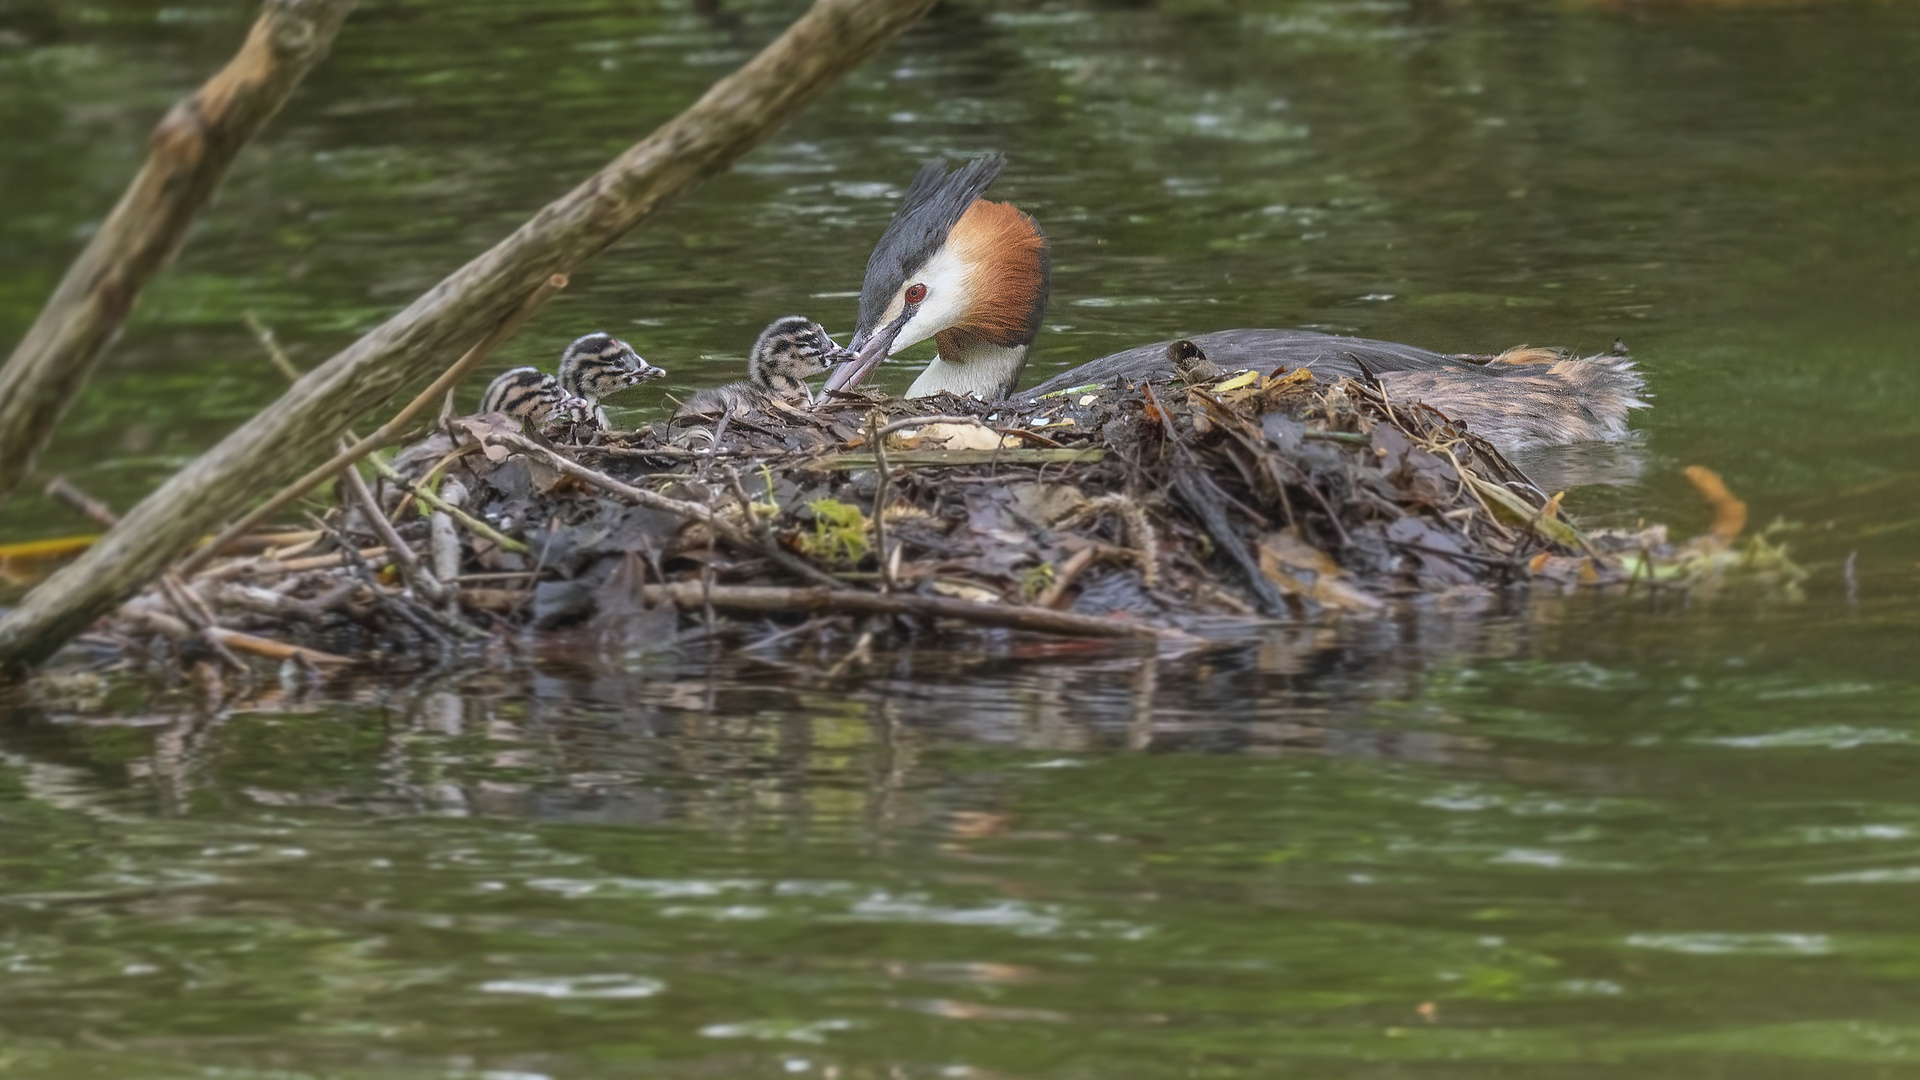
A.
x: 1161, y: 511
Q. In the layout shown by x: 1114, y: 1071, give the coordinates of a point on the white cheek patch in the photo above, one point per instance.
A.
x: 949, y: 294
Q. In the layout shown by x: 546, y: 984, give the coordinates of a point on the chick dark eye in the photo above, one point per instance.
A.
x: 916, y: 293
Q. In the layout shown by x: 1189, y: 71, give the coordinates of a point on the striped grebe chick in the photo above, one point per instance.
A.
x: 791, y: 350
x: 600, y: 365
x: 973, y: 276
x: 528, y: 394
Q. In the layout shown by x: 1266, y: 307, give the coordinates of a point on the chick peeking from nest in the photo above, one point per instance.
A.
x: 790, y: 351
x: 529, y: 395
x: 1191, y: 362
x: 600, y: 365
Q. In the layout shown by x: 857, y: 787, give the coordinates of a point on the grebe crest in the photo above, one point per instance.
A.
x: 968, y: 273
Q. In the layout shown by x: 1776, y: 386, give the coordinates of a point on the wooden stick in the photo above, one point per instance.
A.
x: 91, y: 508
x: 764, y: 543
x: 936, y: 459
x: 281, y: 567
x: 766, y: 598
x: 187, y: 156
x: 403, y: 556
x: 692, y: 511
x: 883, y: 476
x: 161, y: 623
x: 474, y: 525
x: 738, y: 113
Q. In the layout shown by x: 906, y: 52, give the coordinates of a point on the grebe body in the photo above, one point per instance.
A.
x: 973, y: 275
x: 1521, y: 399
x: 527, y: 394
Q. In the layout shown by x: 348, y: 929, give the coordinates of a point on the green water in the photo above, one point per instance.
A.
x: 1574, y: 839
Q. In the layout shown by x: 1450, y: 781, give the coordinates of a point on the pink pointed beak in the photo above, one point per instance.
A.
x: 868, y: 354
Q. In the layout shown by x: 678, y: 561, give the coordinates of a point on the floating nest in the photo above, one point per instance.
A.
x: 1165, y: 511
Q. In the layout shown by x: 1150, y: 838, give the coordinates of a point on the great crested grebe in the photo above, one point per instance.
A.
x: 528, y: 394
x: 600, y: 365
x: 973, y: 276
x: 791, y: 350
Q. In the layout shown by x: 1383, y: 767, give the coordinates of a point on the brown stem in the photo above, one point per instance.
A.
x: 883, y: 474
x: 169, y: 626
x: 474, y: 525
x: 692, y: 511
x: 187, y: 156
x: 98, y: 512
x: 417, y: 576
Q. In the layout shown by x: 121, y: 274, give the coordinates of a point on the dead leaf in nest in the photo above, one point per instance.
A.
x: 1300, y: 569
x: 1045, y: 504
x: 485, y: 427
x: 951, y: 437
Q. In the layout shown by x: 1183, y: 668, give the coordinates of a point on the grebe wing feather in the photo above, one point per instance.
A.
x: 1329, y: 355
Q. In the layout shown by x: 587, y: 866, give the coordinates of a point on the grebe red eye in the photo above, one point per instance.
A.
x: 916, y: 293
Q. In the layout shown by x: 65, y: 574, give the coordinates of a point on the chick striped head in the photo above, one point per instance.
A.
x: 791, y: 350
x: 600, y: 365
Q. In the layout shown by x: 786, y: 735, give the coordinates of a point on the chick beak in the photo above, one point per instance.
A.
x: 868, y: 353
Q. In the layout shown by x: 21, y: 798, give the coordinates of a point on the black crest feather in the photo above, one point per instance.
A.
x: 933, y: 204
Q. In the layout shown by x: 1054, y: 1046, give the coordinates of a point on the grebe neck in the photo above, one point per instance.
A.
x: 971, y: 366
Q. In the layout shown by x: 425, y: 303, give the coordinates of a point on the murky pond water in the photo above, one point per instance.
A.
x: 1565, y: 840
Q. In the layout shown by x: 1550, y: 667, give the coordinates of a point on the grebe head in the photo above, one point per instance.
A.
x: 527, y: 394
x: 952, y: 266
x: 791, y: 350
x: 599, y: 365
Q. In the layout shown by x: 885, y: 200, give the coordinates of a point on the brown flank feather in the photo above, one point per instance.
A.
x: 1007, y: 252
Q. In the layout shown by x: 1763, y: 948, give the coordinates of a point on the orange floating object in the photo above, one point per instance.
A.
x: 1729, y: 513
x: 29, y: 562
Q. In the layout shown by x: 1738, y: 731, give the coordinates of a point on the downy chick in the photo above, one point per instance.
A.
x: 600, y: 365
x: 527, y: 394
x: 790, y: 351
x: 1191, y: 364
